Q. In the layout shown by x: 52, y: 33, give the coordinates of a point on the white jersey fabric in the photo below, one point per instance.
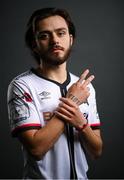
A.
x: 32, y: 100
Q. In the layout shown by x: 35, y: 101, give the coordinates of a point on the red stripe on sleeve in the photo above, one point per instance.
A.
x: 95, y: 124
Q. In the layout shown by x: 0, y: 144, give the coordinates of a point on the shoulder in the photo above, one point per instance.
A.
x: 22, y: 78
x: 20, y: 81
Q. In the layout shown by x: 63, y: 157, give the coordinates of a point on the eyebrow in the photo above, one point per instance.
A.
x: 48, y: 31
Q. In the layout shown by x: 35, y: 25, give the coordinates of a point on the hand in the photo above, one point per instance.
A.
x: 69, y: 112
x: 79, y: 92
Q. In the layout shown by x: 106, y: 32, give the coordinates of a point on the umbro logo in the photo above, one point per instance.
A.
x: 45, y: 95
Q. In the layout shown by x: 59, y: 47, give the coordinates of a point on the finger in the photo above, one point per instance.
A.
x: 66, y: 108
x: 64, y: 111
x: 88, y: 80
x: 69, y: 102
x: 83, y: 76
x: 60, y: 115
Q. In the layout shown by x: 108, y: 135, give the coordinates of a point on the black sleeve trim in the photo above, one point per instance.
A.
x: 95, y: 127
x: 19, y: 130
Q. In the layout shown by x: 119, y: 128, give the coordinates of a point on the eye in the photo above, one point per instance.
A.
x: 61, y: 33
x: 43, y: 36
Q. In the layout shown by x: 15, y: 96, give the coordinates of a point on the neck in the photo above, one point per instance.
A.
x: 56, y: 73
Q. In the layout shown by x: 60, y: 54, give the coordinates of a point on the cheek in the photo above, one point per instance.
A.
x: 43, y: 49
x: 68, y: 42
x: 68, y: 45
x: 43, y: 45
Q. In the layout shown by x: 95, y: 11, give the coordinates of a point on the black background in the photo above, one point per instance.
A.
x: 99, y: 46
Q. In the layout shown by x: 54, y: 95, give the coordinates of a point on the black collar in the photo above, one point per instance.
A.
x: 64, y: 84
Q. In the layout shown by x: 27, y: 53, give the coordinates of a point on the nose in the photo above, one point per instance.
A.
x: 54, y: 39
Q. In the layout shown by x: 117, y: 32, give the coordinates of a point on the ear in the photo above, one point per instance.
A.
x: 36, y: 46
x: 71, y: 39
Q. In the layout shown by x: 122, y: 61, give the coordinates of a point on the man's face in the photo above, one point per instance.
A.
x: 53, y: 40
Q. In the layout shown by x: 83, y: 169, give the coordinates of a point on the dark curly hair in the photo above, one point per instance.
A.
x: 39, y: 15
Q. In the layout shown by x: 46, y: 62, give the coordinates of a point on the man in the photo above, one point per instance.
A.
x: 52, y: 112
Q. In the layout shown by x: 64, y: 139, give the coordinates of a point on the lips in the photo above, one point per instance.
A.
x: 55, y: 49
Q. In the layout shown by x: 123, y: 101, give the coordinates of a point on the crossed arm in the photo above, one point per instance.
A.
x: 38, y: 142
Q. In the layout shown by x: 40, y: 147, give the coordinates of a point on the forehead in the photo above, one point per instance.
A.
x: 52, y: 23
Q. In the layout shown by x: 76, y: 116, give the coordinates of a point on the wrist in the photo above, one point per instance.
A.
x: 74, y: 99
x: 82, y: 127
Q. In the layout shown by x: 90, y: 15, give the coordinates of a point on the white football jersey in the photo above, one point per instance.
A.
x: 32, y: 100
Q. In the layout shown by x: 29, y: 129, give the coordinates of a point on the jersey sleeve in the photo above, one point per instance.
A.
x: 89, y: 110
x: 93, y: 116
x: 22, y: 111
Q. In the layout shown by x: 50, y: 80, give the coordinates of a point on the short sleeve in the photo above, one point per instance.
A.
x: 93, y: 116
x: 22, y: 111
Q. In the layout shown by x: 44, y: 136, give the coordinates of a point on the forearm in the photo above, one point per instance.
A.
x: 92, y: 141
x: 42, y: 140
x: 70, y: 113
